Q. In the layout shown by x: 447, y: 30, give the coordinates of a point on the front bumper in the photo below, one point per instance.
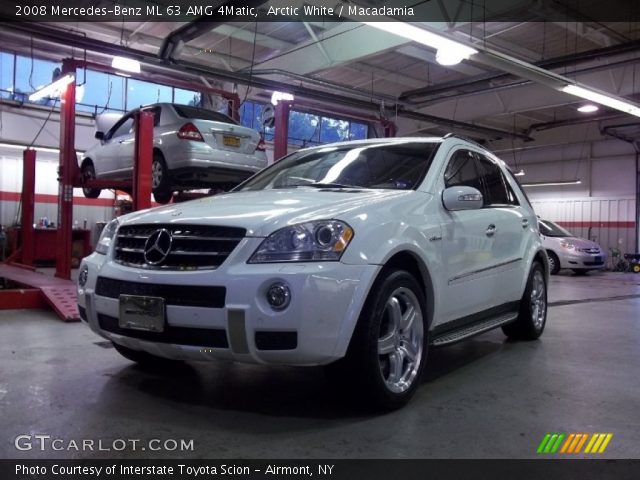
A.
x: 315, y: 329
x: 583, y: 261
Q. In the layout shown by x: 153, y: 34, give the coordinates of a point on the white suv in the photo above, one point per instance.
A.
x: 356, y: 255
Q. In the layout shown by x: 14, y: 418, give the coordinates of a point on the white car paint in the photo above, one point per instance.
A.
x: 467, y: 268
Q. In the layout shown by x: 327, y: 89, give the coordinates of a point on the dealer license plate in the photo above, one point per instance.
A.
x: 230, y: 141
x: 142, y: 313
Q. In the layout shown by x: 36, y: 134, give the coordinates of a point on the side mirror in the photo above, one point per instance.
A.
x: 461, y: 198
x: 99, y: 135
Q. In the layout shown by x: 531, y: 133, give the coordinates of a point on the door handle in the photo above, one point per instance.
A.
x: 525, y: 223
x: 491, y: 229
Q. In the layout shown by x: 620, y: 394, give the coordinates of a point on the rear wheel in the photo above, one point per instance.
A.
x: 532, y: 316
x: 88, y: 172
x: 145, y: 359
x: 388, y: 349
x: 160, y: 180
x: 554, y: 262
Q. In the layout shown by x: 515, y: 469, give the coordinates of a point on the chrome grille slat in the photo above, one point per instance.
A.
x: 213, y: 239
x: 184, y: 252
x: 130, y: 250
x: 194, y: 247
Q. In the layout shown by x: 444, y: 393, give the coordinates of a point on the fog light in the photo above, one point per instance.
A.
x: 279, y: 296
x: 83, y: 276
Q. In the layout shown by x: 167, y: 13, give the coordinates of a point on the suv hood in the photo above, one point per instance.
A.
x: 262, y: 212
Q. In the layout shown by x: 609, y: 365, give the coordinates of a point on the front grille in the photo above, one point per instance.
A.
x: 193, y: 247
x: 589, y: 250
x: 182, y: 295
x: 196, y: 337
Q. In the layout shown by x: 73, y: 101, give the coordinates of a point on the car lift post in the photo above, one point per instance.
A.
x: 68, y: 172
x: 142, y: 161
x: 28, y: 194
x: 281, y: 136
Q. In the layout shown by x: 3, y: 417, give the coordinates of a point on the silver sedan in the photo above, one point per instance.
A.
x: 192, y: 148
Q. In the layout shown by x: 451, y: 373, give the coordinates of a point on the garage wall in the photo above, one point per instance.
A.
x: 602, y: 207
x: 91, y: 210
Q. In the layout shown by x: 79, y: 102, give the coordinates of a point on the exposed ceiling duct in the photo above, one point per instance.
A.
x: 173, y: 44
x: 66, y: 39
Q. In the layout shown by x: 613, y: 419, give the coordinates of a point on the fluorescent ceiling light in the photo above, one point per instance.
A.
x: 602, y: 99
x: 449, y: 52
x: 519, y: 173
x: 588, y: 108
x: 53, y: 89
x: 126, y: 64
x: 546, y: 184
x: 277, y: 96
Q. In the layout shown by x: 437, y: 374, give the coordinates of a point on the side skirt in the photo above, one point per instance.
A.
x: 467, y: 327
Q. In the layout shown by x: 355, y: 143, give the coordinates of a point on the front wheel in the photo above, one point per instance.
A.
x: 554, y: 263
x: 88, y: 172
x: 160, y: 180
x: 389, y: 346
x: 532, y: 316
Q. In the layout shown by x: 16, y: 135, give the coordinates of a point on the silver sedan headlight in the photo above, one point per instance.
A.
x: 320, y: 241
x: 106, y: 237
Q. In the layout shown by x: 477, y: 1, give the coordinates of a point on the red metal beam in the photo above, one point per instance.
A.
x: 27, y: 199
x: 143, y: 160
x: 69, y: 172
x: 22, y: 298
x: 281, y: 135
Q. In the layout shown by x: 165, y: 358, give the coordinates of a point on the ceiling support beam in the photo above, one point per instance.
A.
x: 66, y: 39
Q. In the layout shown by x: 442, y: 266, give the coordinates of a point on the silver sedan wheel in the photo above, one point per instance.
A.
x: 157, y: 173
x: 538, y: 299
x: 401, y: 340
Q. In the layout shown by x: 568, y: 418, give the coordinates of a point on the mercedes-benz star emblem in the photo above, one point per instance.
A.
x: 158, y: 246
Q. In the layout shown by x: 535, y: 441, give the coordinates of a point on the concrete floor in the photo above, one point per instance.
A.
x: 484, y: 398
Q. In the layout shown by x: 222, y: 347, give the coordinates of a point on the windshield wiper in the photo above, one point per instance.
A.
x: 328, y: 185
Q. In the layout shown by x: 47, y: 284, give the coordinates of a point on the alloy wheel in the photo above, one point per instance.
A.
x: 401, y: 340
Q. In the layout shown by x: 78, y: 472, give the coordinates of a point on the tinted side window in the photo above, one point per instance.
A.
x: 123, y: 127
x: 462, y: 170
x: 497, y: 191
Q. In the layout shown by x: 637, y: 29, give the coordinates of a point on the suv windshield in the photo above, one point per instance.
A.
x: 394, y: 166
x: 550, y: 229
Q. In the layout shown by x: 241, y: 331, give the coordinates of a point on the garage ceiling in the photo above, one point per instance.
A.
x: 360, y: 62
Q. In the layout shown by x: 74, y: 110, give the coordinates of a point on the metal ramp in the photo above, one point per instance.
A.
x: 58, y: 293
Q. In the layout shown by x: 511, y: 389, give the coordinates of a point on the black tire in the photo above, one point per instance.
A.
x: 532, y: 316
x: 367, y: 372
x: 145, y: 359
x: 580, y: 271
x: 88, y: 172
x: 160, y: 178
x: 554, y: 262
x: 163, y: 197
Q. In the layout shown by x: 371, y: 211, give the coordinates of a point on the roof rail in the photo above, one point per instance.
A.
x: 462, y: 137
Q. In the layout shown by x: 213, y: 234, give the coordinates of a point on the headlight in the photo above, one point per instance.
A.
x: 322, y: 241
x: 567, y: 245
x: 107, y: 236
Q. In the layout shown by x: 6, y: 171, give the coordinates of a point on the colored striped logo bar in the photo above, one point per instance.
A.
x: 574, y: 443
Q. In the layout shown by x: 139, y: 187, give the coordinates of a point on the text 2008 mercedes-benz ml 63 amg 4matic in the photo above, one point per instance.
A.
x: 357, y: 255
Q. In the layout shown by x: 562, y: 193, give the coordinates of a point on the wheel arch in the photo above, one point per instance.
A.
x: 87, y: 161
x: 409, y: 261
